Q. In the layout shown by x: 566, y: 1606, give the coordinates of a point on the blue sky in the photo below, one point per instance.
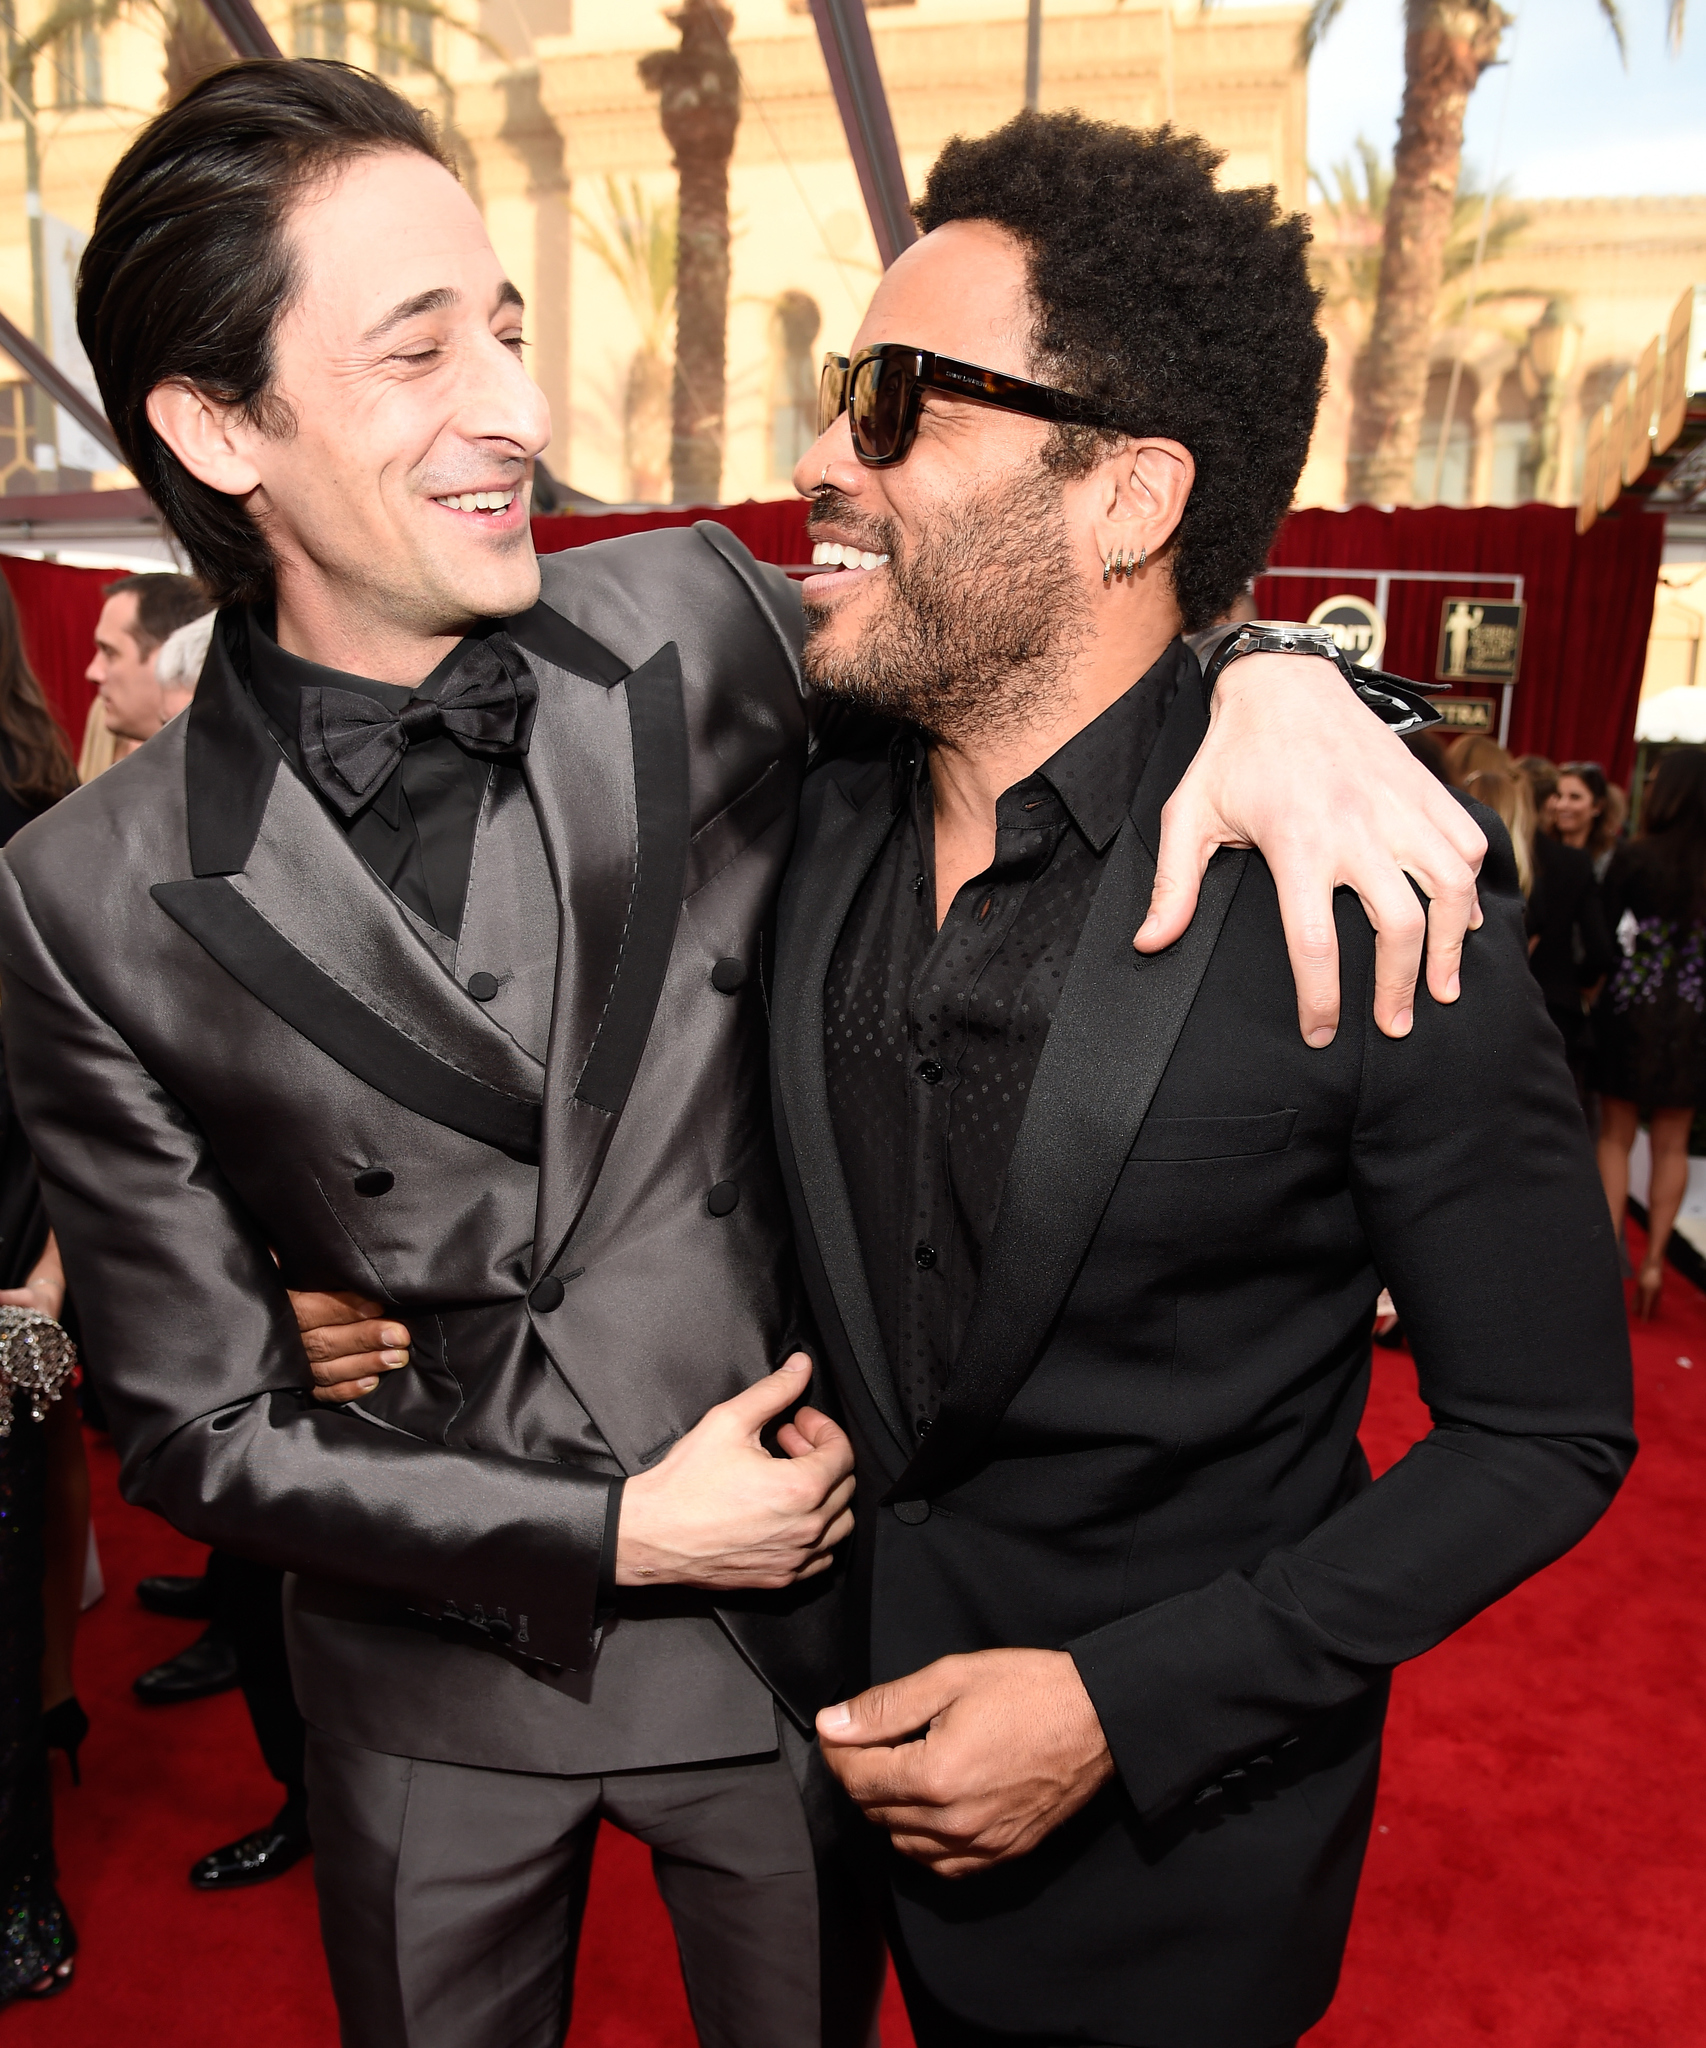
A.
x: 1576, y: 124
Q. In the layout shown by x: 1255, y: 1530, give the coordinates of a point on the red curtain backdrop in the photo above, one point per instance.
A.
x: 1590, y: 601
x: 58, y: 609
x: 773, y: 529
x: 1589, y: 597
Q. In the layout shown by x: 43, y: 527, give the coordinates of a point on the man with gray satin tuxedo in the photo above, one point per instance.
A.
x: 423, y: 961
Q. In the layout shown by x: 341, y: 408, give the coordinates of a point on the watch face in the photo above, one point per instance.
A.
x: 1285, y: 636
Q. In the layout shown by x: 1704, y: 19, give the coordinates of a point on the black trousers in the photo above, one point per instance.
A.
x: 248, y: 1604
x: 933, y: 2026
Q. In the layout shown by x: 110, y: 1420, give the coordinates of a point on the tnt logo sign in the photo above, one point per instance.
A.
x: 1357, y: 628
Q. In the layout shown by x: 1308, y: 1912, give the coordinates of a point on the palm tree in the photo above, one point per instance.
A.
x: 636, y: 244
x: 1447, y: 46
x: 698, y: 88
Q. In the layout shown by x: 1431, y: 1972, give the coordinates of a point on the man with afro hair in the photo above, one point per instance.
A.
x: 1093, y: 1240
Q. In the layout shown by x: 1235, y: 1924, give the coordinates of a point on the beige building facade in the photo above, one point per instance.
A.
x: 561, y: 146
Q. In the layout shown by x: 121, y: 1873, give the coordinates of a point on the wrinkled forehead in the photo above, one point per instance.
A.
x: 961, y: 291
x: 383, y: 231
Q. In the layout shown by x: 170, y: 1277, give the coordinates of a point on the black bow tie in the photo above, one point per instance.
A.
x: 352, y: 744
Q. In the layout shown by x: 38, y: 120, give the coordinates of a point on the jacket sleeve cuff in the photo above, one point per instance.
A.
x: 607, y: 1553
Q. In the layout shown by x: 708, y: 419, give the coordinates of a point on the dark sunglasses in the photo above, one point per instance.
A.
x: 882, y: 392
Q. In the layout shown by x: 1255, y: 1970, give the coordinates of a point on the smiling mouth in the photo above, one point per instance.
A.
x: 478, y: 501
x: 831, y: 554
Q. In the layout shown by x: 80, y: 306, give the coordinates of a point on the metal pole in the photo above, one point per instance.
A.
x: 859, y: 96
x: 42, y: 370
x: 1033, y: 54
x: 243, y: 28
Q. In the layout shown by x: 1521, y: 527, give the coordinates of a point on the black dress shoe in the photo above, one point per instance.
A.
x: 183, y: 1599
x: 208, y: 1666
x: 258, y: 1858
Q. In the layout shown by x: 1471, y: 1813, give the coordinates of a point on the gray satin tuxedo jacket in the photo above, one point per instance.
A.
x: 244, y: 1066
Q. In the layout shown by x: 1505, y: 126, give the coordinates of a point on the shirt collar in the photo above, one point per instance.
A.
x: 1096, y: 773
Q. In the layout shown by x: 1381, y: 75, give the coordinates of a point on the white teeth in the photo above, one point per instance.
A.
x: 830, y: 554
x: 478, y: 501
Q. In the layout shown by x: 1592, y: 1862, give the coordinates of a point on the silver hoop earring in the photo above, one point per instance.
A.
x: 1107, y: 570
x: 1142, y: 556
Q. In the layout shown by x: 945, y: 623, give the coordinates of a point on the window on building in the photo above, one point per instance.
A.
x: 794, y: 324
x: 320, y: 31
x: 1455, y: 473
x: 1514, y: 446
x: 76, y: 60
x: 402, y: 39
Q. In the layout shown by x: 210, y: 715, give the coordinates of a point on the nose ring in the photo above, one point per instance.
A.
x: 824, y: 479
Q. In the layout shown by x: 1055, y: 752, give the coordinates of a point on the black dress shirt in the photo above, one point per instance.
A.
x: 416, y: 832
x: 932, y: 1038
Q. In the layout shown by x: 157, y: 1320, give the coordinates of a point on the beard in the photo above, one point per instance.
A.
x: 978, y: 624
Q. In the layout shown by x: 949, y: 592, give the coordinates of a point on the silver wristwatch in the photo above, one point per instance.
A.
x: 1395, y: 701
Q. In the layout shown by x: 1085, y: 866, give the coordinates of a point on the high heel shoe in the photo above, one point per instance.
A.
x: 64, y: 1727
x: 1647, y: 1290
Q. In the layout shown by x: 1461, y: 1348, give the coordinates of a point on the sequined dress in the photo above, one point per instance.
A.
x: 1649, y: 1024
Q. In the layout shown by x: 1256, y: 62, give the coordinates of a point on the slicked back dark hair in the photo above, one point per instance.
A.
x: 1186, y: 309
x: 188, y: 270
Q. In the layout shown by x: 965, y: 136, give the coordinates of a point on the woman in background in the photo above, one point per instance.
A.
x: 44, y: 1481
x: 1588, y: 813
x: 1650, y: 1022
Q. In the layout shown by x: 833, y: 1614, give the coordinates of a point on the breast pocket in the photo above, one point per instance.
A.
x: 1175, y: 1138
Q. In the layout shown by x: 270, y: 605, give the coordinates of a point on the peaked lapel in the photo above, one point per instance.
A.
x: 823, y: 878
x: 1118, y: 1020
x: 283, y: 902
x: 608, y: 769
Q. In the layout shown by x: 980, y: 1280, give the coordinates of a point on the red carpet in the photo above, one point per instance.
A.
x: 1538, y: 1879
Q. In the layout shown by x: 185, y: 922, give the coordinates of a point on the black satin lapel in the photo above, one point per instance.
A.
x: 305, y: 880
x: 822, y: 881
x: 1119, y: 1019
x: 608, y: 768
x: 657, y: 720
x: 545, y: 632
x: 235, y: 933
x: 230, y: 761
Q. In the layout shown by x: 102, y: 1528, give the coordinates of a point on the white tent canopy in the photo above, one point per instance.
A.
x: 1678, y: 714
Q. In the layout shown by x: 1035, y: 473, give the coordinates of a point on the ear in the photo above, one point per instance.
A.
x: 1141, y: 490
x: 209, y: 438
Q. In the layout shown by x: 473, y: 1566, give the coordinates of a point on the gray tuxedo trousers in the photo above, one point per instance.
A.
x: 244, y: 1067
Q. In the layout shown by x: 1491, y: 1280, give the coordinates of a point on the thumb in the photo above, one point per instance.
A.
x: 886, y: 1714
x: 1189, y: 836
x: 764, y: 1401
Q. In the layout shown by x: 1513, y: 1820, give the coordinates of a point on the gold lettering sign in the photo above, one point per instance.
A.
x: 1465, y: 714
x: 1478, y: 642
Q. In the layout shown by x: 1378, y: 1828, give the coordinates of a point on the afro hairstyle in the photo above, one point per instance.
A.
x: 1184, y: 309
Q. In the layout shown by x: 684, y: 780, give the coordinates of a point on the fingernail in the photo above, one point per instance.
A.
x: 1323, y: 1034
x: 392, y: 1334
x: 1401, y: 1023
x: 1453, y: 988
x: 392, y: 1359
x: 838, y: 1716
x: 798, y: 1365
x: 365, y: 1386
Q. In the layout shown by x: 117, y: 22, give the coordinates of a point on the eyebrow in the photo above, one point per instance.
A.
x: 438, y: 300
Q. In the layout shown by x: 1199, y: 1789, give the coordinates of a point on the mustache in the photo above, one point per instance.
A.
x: 830, y: 507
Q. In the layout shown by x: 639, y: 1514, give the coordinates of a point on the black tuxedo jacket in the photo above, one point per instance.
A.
x: 227, y: 1042
x: 1147, y: 1452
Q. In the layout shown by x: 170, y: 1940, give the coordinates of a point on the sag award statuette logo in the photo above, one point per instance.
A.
x: 1357, y: 628
x: 1478, y: 642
